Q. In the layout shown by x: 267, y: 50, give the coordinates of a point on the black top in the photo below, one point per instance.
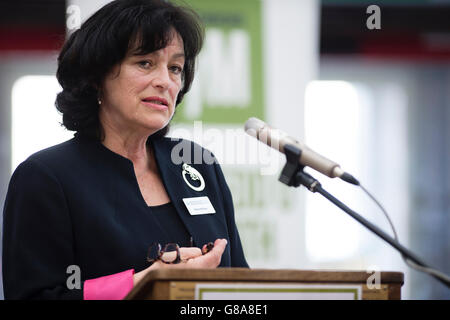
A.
x: 170, y: 222
x: 78, y: 203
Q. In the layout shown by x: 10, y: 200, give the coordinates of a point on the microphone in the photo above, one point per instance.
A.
x: 277, y: 139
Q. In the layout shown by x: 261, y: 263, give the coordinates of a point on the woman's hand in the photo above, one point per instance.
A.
x: 190, y: 258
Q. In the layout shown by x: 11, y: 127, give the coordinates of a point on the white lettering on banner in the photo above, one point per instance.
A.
x: 223, y: 76
x: 258, y: 236
x: 261, y: 203
x: 254, y: 191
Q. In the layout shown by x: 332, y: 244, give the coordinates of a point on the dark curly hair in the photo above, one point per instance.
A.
x: 103, y: 41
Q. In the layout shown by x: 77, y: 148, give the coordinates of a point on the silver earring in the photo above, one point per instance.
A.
x: 99, y: 101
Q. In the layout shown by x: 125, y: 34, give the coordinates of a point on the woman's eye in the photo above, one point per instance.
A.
x: 145, y: 64
x: 176, y: 69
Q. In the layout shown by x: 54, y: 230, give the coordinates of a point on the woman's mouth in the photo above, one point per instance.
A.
x: 157, y: 103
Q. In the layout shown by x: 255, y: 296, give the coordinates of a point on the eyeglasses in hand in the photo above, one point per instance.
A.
x: 170, y: 253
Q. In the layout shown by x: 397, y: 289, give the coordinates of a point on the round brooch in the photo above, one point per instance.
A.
x: 193, y: 175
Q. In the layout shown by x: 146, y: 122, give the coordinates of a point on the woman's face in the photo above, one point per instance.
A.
x: 140, y: 94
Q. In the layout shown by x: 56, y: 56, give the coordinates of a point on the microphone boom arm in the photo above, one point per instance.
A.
x: 294, y: 176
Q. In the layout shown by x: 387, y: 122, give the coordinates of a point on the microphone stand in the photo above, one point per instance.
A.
x: 294, y: 176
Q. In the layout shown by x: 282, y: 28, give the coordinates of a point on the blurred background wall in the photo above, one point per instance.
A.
x: 377, y: 101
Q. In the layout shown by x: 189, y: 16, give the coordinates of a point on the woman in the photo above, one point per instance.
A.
x: 99, y: 201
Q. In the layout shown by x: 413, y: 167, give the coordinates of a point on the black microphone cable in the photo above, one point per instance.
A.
x: 411, y: 264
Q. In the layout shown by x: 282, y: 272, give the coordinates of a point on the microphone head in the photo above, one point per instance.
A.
x: 253, y: 125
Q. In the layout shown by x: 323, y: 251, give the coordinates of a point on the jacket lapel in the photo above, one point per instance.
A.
x: 202, y: 228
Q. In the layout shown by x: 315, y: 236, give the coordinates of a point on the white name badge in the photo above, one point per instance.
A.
x: 199, y: 205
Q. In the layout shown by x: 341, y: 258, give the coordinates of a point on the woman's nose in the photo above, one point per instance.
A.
x: 161, y: 78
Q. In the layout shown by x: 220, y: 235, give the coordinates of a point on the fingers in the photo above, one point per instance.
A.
x: 190, y: 253
x: 217, y: 250
x: 169, y: 256
x: 185, y: 254
x: 219, y: 246
x: 211, y: 259
x: 207, y: 247
x: 192, y: 257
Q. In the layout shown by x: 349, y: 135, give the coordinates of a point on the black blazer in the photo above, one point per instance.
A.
x: 79, y: 203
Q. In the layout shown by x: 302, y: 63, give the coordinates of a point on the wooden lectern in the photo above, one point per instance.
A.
x: 265, y: 284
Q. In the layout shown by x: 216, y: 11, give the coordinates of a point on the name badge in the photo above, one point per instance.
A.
x: 199, y: 205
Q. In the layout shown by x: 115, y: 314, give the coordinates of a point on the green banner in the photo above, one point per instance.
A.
x: 383, y: 2
x: 228, y: 86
